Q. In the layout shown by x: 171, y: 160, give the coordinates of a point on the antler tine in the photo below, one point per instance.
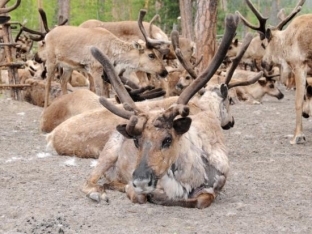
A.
x: 246, y: 82
x: 63, y: 23
x: 8, y: 9
x: 44, y: 19
x: 294, y: 12
x: 156, y: 17
x: 238, y: 57
x: 231, y: 22
x: 175, y: 43
x: 262, y: 20
x: 32, y: 31
x: 38, y: 38
x: 127, y: 81
x: 114, y: 109
x: 150, y: 43
x: 115, y: 80
x: 198, y: 62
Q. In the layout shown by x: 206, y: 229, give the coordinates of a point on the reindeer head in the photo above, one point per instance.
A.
x: 270, y: 34
x: 156, y: 134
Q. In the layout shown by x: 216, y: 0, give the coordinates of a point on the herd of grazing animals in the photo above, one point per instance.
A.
x: 170, y: 150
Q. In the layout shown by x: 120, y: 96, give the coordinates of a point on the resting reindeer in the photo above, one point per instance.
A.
x: 291, y: 48
x: 166, y: 159
x: 72, y: 137
x: 69, y: 47
x: 82, y: 100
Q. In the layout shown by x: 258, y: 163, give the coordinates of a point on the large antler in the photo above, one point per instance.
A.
x: 156, y: 17
x: 262, y: 20
x: 137, y: 118
x: 236, y: 61
x: 41, y: 35
x: 8, y: 9
x: 186, y: 64
x: 294, y: 12
x: 231, y: 22
x: 150, y: 43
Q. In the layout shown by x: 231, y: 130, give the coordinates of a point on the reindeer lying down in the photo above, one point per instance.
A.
x: 168, y: 157
x: 253, y: 93
x: 82, y: 126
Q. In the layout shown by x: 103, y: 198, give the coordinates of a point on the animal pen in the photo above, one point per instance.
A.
x: 8, y: 48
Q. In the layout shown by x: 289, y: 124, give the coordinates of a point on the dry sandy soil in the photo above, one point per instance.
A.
x: 269, y: 189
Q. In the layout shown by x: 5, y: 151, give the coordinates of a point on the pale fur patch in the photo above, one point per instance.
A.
x: 43, y: 155
x: 70, y: 162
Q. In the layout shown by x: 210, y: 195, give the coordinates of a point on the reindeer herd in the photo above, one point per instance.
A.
x: 154, y: 122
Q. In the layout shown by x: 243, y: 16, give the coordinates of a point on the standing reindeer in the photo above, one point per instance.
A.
x: 160, y: 157
x: 292, y: 49
x: 69, y: 46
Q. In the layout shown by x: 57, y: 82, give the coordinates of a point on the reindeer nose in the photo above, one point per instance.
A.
x: 305, y: 115
x: 164, y: 73
x: 144, y: 181
x: 280, y: 96
x: 179, y: 86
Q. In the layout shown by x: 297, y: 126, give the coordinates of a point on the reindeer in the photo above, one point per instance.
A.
x: 251, y: 93
x: 63, y: 47
x: 291, y: 48
x: 166, y: 159
x: 81, y: 109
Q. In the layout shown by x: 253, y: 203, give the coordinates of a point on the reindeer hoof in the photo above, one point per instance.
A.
x: 94, y: 196
x: 298, y: 140
x: 97, y: 197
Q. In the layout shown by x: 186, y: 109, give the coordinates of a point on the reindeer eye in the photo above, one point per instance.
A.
x: 271, y: 86
x: 166, y: 142
x: 187, y: 77
x: 136, y: 142
x: 152, y: 56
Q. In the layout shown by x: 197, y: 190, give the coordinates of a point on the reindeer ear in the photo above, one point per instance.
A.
x: 121, y: 128
x: 262, y: 82
x: 268, y: 34
x: 182, y: 125
x: 235, y: 42
x: 138, y: 46
x: 224, y: 91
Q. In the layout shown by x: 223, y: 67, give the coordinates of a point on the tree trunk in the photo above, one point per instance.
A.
x: 63, y: 11
x: 186, y: 19
x: 206, y: 30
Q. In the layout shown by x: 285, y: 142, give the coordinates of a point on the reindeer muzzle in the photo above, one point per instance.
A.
x: 163, y: 74
x: 229, y: 125
x: 305, y: 115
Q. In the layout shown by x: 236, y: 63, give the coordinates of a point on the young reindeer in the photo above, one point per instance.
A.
x: 160, y: 157
x: 292, y: 49
x: 69, y: 46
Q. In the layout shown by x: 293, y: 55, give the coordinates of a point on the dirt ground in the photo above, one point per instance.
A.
x: 269, y: 189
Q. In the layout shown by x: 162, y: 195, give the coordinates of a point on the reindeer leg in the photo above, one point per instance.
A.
x: 50, y: 73
x: 116, y: 185
x: 135, y: 197
x: 201, y: 201
x: 67, y: 72
x: 91, y: 187
x: 300, y: 79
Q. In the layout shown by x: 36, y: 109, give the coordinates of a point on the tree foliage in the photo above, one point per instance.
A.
x: 115, y: 10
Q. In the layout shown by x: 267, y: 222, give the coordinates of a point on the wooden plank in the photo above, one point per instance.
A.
x: 15, y: 86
